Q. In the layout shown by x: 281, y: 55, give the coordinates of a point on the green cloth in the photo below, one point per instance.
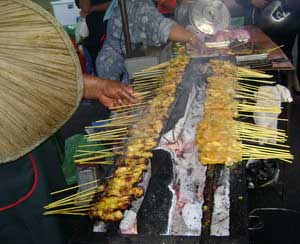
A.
x: 68, y: 166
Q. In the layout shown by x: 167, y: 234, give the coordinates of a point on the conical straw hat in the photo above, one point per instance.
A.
x: 40, y: 77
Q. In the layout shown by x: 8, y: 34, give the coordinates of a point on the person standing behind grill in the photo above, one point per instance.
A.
x: 166, y: 7
x: 146, y: 26
x: 285, y: 34
x: 94, y: 11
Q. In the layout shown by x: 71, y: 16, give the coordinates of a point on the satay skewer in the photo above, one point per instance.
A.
x: 74, y: 187
x: 256, y: 80
x: 159, y: 66
x: 79, y: 195
x: 100, y: 144
x: 81, y: 207
x: 97, y: 163
x: 262, y: 117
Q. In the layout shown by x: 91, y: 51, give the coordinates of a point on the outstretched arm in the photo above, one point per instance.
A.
x: 180, y: 34
x: 110, y: 93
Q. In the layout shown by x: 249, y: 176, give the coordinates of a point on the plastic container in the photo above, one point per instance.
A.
x: 66, y: 12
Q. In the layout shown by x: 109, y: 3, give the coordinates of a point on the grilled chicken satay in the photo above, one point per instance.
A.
x: 123, y: 187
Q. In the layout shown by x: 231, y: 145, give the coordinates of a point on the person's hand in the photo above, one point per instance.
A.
x: 84, y: 13
x: 259, y: 3
x: 110, y: 93
x: 113, y: 93
x: 85, y: 7
x: 196, y: 41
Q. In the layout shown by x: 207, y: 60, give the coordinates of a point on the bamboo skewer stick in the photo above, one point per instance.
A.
x: 71, y: 198
x: 76, y: 200
x: 141, y: 73
x: 74, y: 187
x: 130, y: 108
x: 134, y: 110
x: 257, y: 93
x: 258, y: 158
x: 245, y: 71
x: 148, y: 80
x: 101, y: 150
x: 159, y: 66
x: 262, y: 148
x: 253, y: 87
x: 254, y: 116
x: 265, y: 143
x: 116, y: 118
x: 153, y: 90
x: 112, y: 131
x: 260, y: 127
x: 111, y: 135
x: 86, y: 201
x: 261, y: 136
x: 73, y: 208
x: 100, y: 144
x: 147, y: 74
x: 97, y: 163
x: 70, y: 213
x: 146, y: 83
x: 147, y: 77
x: 108, y: 139
x: 92, y: 158
x: 73, y: 212
x: 258, y: 81
x: 78, y: 157
x: 129, y: 105
x: 253, y: 98
x: 268, y: 50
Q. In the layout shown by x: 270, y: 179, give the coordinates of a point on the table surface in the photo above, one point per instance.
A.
x: 264, y: 42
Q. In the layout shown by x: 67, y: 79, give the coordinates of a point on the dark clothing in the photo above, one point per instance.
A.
x: 25, y: 223
x: 92, y: 2
x: 283, y: 35
x: 97, y: 31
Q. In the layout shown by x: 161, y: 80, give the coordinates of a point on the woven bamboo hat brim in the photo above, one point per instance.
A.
x: 40, y: 77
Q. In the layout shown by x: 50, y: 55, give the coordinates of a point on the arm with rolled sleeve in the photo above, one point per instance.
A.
x: 146, y: 26
x: 149, y: 26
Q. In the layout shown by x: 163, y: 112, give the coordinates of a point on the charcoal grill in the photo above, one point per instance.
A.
x: 153, y: 214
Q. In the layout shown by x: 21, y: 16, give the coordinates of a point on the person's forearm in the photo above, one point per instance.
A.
x: 100, y: 7
x: 84, y: 5
x: 180, y: 34
x: 90, y: 88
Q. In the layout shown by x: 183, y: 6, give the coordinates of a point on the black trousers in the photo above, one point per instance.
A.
x: 97, y: 31
x: 25, y: 223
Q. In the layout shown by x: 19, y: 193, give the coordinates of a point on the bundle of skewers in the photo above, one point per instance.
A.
x: 128, y: 138
x: 222, y: 138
